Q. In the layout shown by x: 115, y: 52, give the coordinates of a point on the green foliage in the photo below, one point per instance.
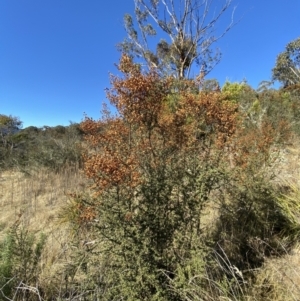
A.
x: 51, y: 147
x: 56, y: 147
x: 265, y: 103
x: 252, y: 224
x: 210, y: 276
x: 287, y: 68
x: 151, y: 244
x: 234, y: 91
x: 20, y: 266
x: 9, y: 126
x: 6, y: 265
x: 276, y: 106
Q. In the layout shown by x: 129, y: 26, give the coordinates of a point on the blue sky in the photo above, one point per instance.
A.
x: 56, y: 55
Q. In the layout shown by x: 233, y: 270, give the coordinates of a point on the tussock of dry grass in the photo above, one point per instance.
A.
x: 279, y: 279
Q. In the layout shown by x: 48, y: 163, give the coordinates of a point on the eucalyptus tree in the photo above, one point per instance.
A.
x: 287, y: 68
x: 9, y: 125
x: 187, y: 29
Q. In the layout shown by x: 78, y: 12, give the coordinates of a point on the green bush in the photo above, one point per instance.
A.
x: 20, y: 257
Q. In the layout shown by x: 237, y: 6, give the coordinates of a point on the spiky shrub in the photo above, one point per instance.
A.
x: 154, y: 167
x: 6, y: 265
x: 20, y: 266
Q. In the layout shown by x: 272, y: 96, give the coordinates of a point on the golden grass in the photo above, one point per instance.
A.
x: 279, y: 279
x: 34, y: 200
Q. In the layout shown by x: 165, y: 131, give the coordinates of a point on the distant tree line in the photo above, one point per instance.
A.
x: 51, y: 147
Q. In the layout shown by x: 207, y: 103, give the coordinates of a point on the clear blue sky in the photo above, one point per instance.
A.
x: 56, y: 55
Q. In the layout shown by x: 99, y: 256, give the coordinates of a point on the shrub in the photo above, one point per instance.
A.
x: 20, y: 264
x: 154, y: 168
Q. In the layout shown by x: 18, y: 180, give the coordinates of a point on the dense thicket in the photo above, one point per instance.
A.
x: 51, y: 147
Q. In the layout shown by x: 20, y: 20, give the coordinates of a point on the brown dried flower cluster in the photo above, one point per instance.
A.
x: 156, y: 119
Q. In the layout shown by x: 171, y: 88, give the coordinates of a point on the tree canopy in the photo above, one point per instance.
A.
x: 189, y: 27
x: 10, y: 122
x: 287, y: 68
x: 8, y: 125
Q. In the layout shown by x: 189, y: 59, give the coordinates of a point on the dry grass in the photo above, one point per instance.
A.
x: 288, y: 163
x: 34, y: 200
x: 279, y: 279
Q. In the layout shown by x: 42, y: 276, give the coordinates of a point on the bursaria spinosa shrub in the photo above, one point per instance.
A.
x: 154, y: 166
